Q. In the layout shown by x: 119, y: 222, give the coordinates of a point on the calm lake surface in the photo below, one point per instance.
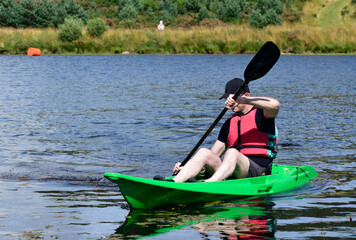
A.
x: 66, y: 120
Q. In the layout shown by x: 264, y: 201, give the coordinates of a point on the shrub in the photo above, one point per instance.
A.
x: 213, y: 5
x: 70, y: 30
x: 41, y: 13
x: 257, y: 19
x: 203, y: 13
x: 169, y: 9
x: 8, y: 13
x: 234, y: 9
x: 266, y: 12
x: 96, y: 27
x: 153, y: 4
x: 44, y: 12
x: 66, y: 8
x: 150, y: 15
x: 227, y: 10
x: 128, y: 12
x: 26, y: 13
x: 192, y: 6
x: 218, y: 8
x: 121, y: 4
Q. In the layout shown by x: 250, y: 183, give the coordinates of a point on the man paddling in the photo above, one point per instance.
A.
x: 248, y: 139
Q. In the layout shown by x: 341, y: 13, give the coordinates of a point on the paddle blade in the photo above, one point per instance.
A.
x: 262, y: 62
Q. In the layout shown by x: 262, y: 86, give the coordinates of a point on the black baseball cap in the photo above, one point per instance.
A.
x: 232, y: 86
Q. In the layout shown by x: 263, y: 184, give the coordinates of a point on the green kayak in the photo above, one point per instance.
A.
x: 143, y: 193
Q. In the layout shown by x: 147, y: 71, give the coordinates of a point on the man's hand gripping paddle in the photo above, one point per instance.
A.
x: 260, y: 64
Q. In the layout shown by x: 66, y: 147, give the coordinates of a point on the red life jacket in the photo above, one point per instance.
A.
x: 245, y: 137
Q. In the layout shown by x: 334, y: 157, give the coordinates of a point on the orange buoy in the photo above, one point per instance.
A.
x: 33, y: 52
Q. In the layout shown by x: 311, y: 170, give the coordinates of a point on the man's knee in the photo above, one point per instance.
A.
x: 204, y: 153
x: 240, y: 162
x: 234, y: 155
x: 209, y: 159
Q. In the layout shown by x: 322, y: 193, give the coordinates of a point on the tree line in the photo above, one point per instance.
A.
x: 259, y: 13
x: 40, y: 13
x: 52, y: 13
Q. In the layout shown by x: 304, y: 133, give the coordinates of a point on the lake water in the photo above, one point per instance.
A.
x: 66, y: 120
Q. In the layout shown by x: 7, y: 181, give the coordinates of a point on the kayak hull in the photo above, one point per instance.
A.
x: 143, y: 193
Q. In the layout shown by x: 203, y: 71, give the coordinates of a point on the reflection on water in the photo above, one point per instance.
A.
x: 68, y: 119
x: 227, y: 220
x: 290, y: 215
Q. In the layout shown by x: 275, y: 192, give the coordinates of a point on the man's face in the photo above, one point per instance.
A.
x: 239, y: 107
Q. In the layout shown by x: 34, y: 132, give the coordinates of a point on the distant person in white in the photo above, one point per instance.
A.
x: 160, y: 26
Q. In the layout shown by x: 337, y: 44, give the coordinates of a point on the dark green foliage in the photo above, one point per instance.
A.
x: 70, y: 30
x: 203, y: 13
x: 150, y: 15
x: 96, y: 27
x: 135, y: 3
x: 128, y: 12
x: 192, y: 6
x: 213, y: 5
x: 266, y: 12
x: 153, y: 4
x: 107, y: 3
x: 51, y: 13
x: 41, y: 13
x: 234, y: 9
x: 44, y: 12
x: 65, y: 8
x: 93, y: 11
x: 219, y: 9
x: 228, y: 10
x: 169, y: 9
x: 10, y: 13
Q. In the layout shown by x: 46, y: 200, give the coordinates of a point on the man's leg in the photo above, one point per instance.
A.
x: 203, y: 158
x: 235, y: 163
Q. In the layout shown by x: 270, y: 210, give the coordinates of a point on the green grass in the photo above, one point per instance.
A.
x: 330, y: 15
x: 322, y: 30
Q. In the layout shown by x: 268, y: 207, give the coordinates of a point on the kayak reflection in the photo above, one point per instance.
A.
x: 231, y: 220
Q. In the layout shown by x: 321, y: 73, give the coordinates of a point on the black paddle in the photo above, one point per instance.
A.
x: 260, y: 64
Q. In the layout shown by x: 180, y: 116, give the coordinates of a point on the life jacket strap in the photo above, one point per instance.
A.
x: 239, y: 147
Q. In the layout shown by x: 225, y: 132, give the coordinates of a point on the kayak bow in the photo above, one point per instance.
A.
x: 143, y: 193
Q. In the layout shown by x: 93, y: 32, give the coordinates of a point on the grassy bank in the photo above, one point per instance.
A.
x: 325, y: 27
x: 227, y: 39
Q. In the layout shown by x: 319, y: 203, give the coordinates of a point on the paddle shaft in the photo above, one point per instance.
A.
x: 261, y: 63
x: 205, y: 135
x: 238, y: 92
